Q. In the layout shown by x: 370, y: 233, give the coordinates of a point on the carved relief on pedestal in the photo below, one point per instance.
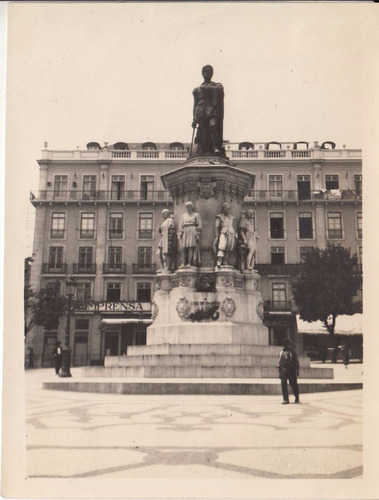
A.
x: 206, y: 188
x: 228, y: 306
x: 227, y: 280
x: 238, y: 283
x: 154, y: 310
x: 183, y: 307
x: 184, y: 281
x: 260, y: 310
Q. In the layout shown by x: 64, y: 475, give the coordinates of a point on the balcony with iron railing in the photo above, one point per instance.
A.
x: 124, y: 196
x: 255, y: 195
x: 57, y: 234
x: 278, y: 269
x: 149, y: 268
x: 54, y: 268
x: 84, y: 268
x: 300, y: 195
x: 114, y: 268
x: 284, y: 306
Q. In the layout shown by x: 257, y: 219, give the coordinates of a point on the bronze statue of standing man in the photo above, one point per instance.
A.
x: 208, y: 115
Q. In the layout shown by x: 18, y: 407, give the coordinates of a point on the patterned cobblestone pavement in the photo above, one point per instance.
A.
x: 83, y: 435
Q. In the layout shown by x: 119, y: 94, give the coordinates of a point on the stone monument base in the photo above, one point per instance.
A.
x: 217, y: 307
x: 208, y: 333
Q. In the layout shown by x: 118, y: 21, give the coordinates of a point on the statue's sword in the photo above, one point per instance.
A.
x: 193, y: 135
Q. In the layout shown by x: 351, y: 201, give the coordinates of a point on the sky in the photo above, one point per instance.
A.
x: 108, y: 72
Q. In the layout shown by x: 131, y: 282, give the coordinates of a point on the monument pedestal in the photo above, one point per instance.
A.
x: 218, y: 307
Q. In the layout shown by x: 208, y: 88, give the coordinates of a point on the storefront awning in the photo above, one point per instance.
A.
x: 345, y: 325
x: 122, y: 321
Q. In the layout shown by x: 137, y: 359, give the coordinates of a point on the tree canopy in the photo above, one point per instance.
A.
x: 326, y: 285
x: 46, y: 307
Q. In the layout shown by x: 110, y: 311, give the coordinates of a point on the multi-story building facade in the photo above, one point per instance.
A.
x: 98, y: 210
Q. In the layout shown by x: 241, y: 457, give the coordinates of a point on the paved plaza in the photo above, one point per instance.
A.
x: 84, y: 435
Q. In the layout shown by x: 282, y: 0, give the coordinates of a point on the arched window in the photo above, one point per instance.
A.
x: 301, y: 145
x: 121, y: 146
x: 93, y: 146
x: 176, y: 146
x: 273, y: 145
x: 149, y: 146
x: 328, y: 145
x: 246, y: 145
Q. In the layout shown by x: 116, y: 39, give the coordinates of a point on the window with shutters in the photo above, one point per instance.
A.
x: 305, y: 221
x: 276, y: 225
x: 58, y: 225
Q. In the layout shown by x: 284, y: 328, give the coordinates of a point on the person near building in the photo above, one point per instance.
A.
x: 31, y: 357
x: 345, y: 351
x: 188, y: 236
x: 225, y: 236
x: 57, y: 355
x: 288, y: 364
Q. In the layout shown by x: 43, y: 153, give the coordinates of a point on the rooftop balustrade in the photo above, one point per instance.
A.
x: 256, y: 151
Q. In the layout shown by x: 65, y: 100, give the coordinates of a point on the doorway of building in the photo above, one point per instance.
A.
x: 49, y: 343
x: 126, y: 334
x: 304, y: 187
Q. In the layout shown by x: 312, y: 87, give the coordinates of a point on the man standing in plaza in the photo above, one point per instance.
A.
x: 57, y: 355
x: 288, y: 365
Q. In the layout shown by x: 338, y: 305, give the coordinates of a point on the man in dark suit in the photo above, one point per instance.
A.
x: 57, y: 354
x: 288, y: 365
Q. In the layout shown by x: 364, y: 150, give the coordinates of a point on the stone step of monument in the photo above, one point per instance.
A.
x: 199, y: 372
x: 193, y: 360
x: 190, y: 360
x: 265, y: 387
x: 227, y: 349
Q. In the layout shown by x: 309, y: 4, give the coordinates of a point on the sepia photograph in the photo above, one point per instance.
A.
x: 189, y: 308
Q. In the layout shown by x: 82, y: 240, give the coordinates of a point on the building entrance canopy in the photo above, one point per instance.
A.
x: 123, y: 321
x: 345, y: 325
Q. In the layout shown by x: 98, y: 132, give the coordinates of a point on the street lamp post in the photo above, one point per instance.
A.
x: 66, y: 350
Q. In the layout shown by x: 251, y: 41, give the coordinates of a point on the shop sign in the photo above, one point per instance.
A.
x: 106, y: 306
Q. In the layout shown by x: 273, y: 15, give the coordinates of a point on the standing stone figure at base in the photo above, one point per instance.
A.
x: 167, y: 244
x: 208, y: 114
x: 188, y: 237
x: 225, y: 236
x: 248, y: 241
